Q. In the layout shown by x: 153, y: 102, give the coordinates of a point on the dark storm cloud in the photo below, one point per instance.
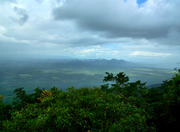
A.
x: 22, y: 15
x: 123, y: 19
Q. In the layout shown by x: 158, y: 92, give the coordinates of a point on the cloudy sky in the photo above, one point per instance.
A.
x: 145, y: 31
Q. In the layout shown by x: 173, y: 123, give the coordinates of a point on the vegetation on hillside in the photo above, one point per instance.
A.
x: 117, y: 106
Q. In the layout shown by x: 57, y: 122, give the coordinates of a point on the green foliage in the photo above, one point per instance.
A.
x: 165, y: 102
x: 120, y: 83
x: 1, y: 98
x: 119, y: 105
x: 79, y: 110
x: 4, y: 111
x: 22, y: 98
x: 132, y: 91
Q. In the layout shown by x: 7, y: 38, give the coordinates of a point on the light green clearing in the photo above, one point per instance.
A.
x: 25, y: 75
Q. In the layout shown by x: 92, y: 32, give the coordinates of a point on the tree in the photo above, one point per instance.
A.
x: 23, y: 99
x: 79, y: 110
x: 120, y: 84
x: 4, y: 111
x: 164, y: 103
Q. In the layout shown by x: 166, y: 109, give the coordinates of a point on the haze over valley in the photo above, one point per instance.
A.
x: 66, y: 73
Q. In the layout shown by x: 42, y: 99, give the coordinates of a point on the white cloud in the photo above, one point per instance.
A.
x: 92, y: 29
x: 149, y: 54
x: 2, y: 30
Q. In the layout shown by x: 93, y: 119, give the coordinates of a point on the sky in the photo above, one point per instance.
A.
x: 146, y: 31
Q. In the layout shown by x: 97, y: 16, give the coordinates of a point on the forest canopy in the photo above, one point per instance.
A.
x: 118, y: 105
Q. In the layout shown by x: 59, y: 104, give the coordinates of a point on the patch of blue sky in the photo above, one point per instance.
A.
x: 140, y: 2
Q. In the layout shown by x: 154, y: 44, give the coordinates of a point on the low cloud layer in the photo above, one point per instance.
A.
x: 149, y: 54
